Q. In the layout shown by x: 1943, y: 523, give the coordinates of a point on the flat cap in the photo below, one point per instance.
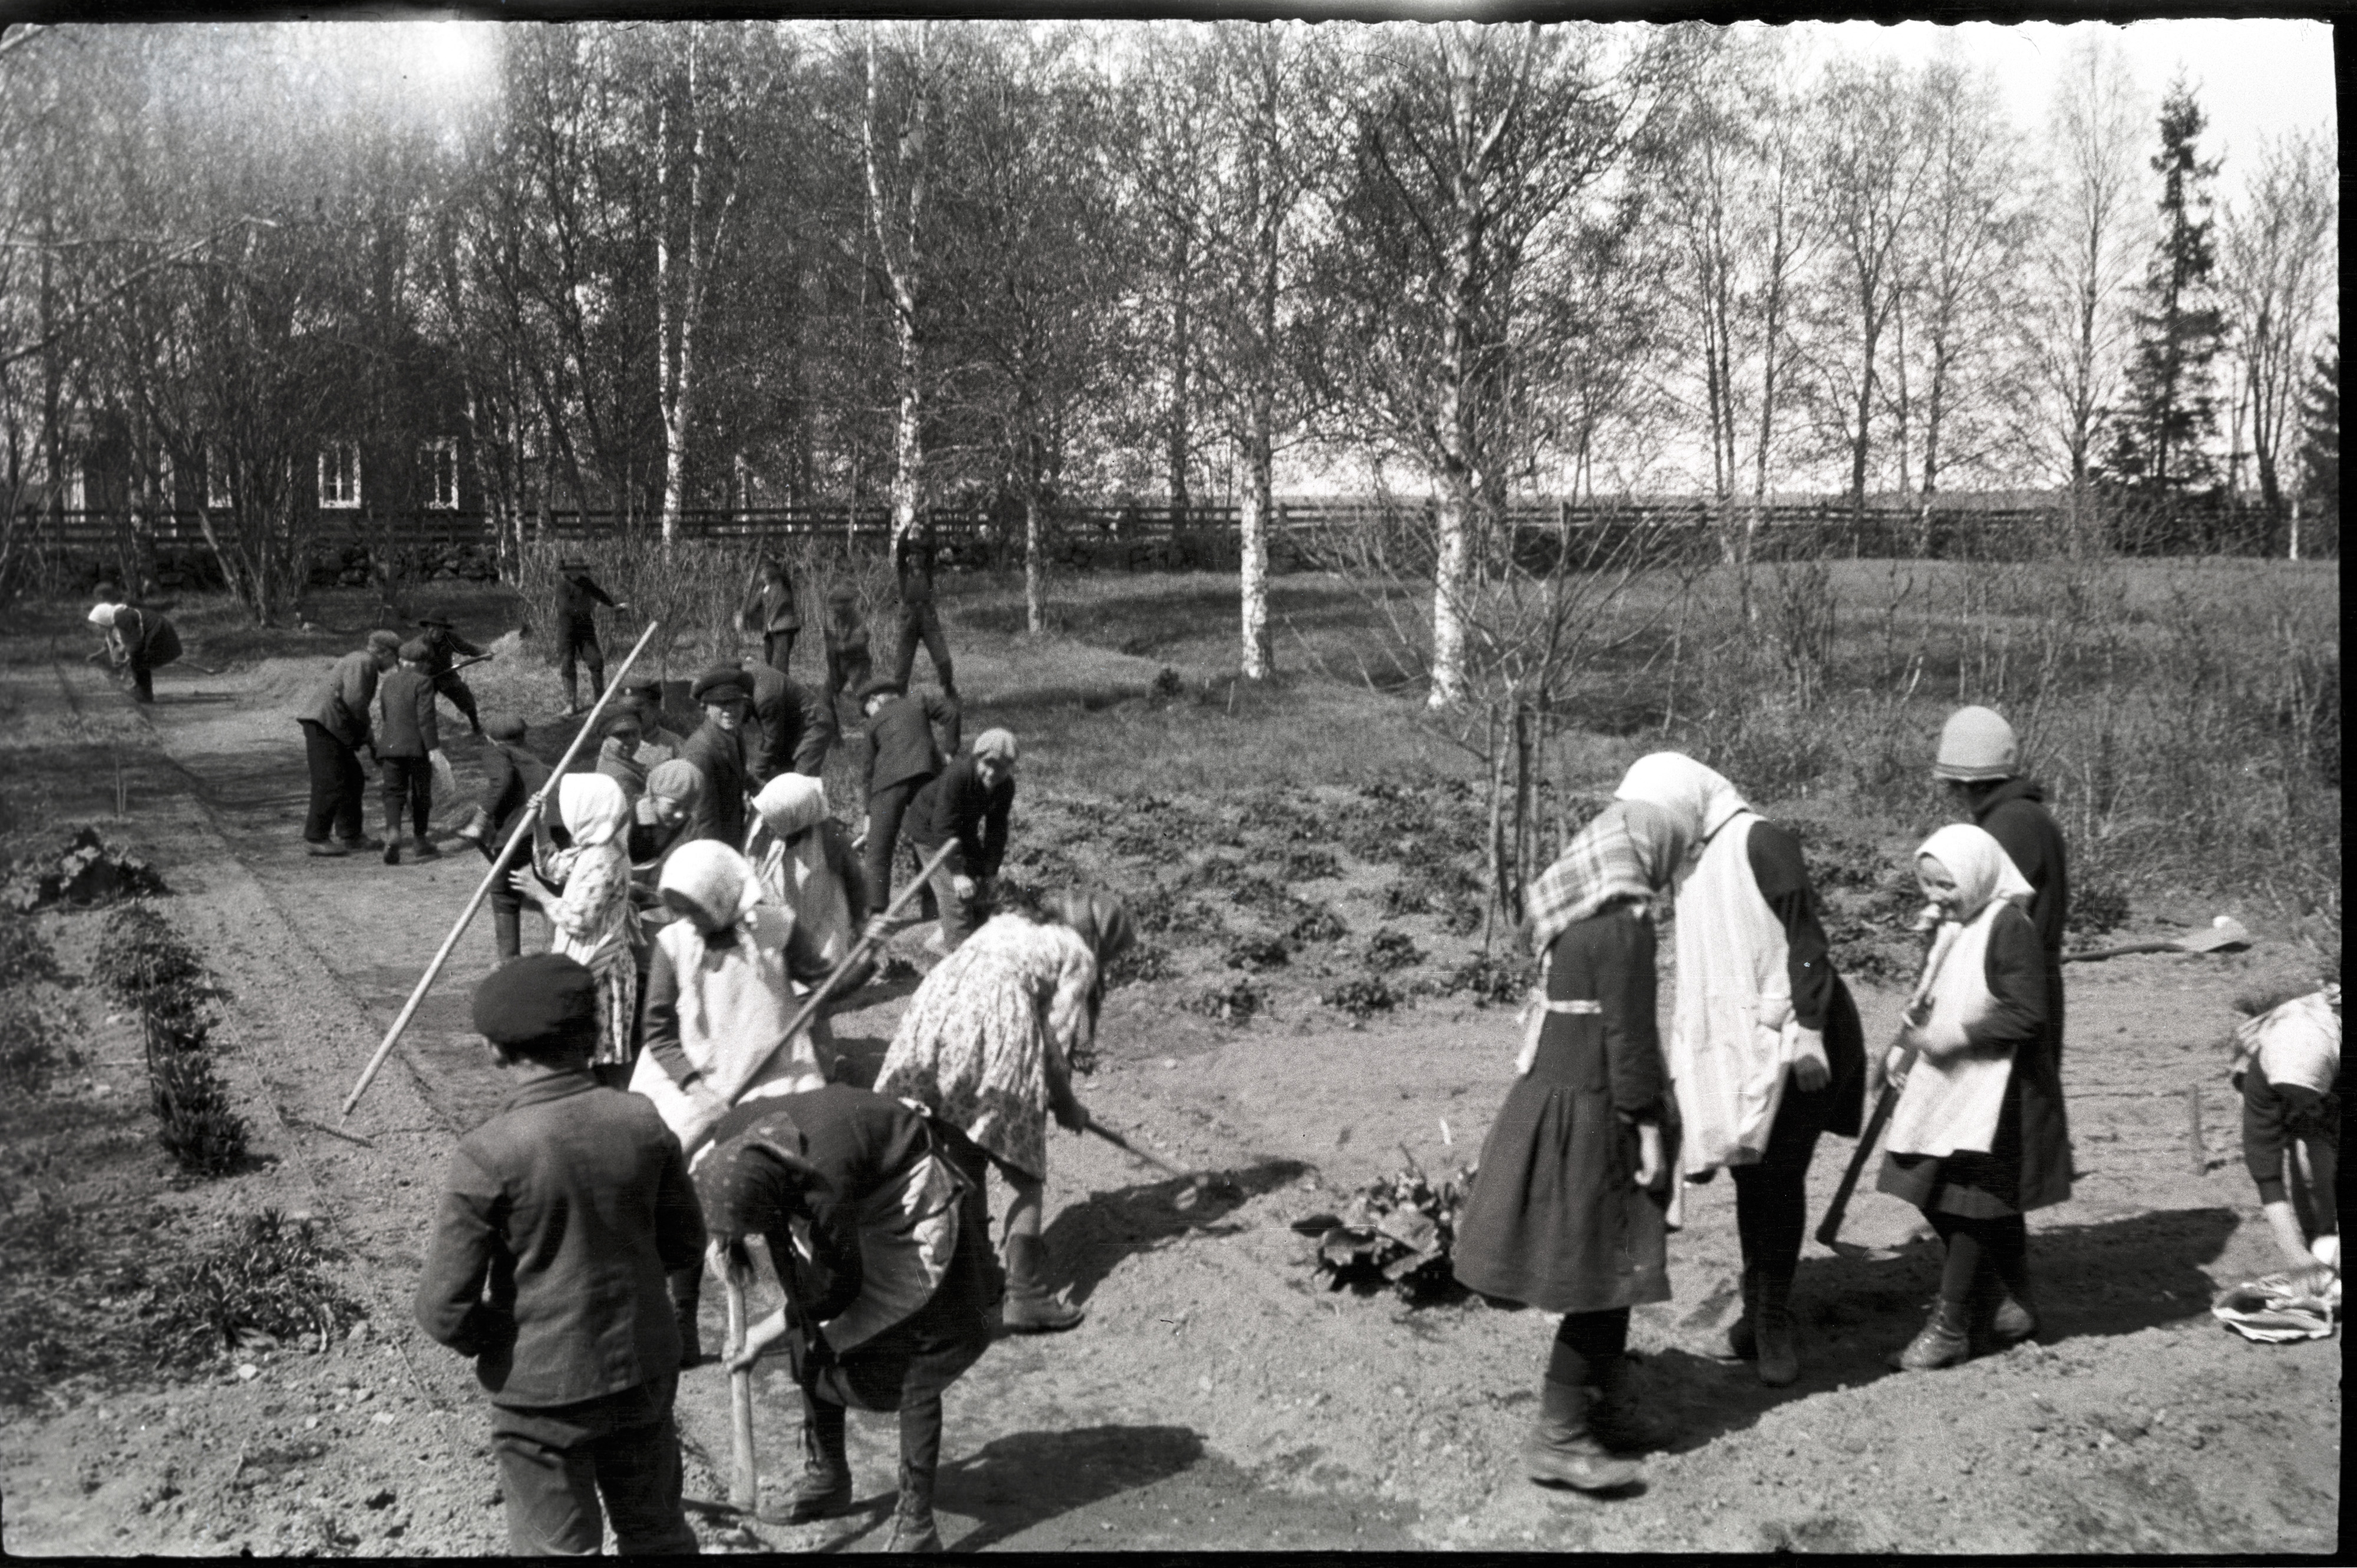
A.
x: 721, y: 684
x: 882, y: 686
x: 540, y: 1001
x: 505, y: 726
x: 388, y: 640
x: 442, y: 621
x: 416, y: 650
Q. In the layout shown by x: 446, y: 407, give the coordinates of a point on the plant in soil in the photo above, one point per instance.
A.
x: 87, y: 872
x: 2098, y: 906
x: 1502, y: 978
x: 1317, y: 924
x: 36, y: 1044
x: 24, y: 954
x: 1362, y: 998
x: 1395, y: 1232
x: 1388, y: 949
x: 144, y: 965
x: 265, y: 1286
x: 1164, y: 911
x: 1138, y: 962
x: 195, y: 1121
x: 1299, y: 864
x: 1235, y: 1003
x: 1258, y: 955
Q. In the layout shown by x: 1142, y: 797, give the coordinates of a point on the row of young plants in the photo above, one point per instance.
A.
x: 148, y: 970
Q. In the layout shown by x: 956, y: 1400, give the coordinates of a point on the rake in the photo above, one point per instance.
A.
x: 2225, y: 934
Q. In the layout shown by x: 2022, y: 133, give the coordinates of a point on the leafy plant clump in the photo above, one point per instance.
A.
x: 264, y: 1287
x: 1236, y: 1003
x: 1491, y: 978
x: 87, y: 872
x: 1258, y: 955
x: 35, y: 1045
x: 1301, y: 864
x: 1165, y: 912
x: 1396, y: 1232
x: 2096, y: 907
x: 195, y: 1121
x: 1362, y: 998
x: 1388, y: 949
x: 1138, y: 962
x: 1169, y: 683
x: 1318, y: 924
x: 24, y: 954
x: 144, y: 964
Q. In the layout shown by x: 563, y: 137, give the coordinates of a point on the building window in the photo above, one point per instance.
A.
x: 442, y: 471
x: 340, y: 475
x: 215, y: 478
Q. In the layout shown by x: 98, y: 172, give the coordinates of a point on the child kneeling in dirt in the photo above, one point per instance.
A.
x: 573, y: 1202
x: 2287, y: 1068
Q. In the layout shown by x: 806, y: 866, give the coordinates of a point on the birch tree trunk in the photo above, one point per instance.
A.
x: 682, y: 309
x: 1260, y: 418
x: 900, y: 272
x: 1033, y: 618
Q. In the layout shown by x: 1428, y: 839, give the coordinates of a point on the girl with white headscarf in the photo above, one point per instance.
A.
x: 721, y: 988
x: 1765, y: 1049
x: 585, y: 891
x: 1977, y: 1139
x: 806, y: 863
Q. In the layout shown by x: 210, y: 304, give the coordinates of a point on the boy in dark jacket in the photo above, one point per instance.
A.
x: 408, y: 735
x: 772, y: 614
x: 444, y: 646
x: 578, y: 598
x: 792, y: 729
x: 901, y: 758
x: 912, y: 569
x: 968, y: 805
x: 511, y: 776
x: 569, y: 1204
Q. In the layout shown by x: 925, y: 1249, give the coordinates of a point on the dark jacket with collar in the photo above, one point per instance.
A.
x: 719, y: 756
x: 900, y: 739
x: 787, y: 717
x: 558, y: 1220
x: 957, y: 807
x: 341, y: 707
x: 408, y: 727
x: 2015, y: 814
x: 442, y: 647
x: 771, y: 607
x: 511, y: 774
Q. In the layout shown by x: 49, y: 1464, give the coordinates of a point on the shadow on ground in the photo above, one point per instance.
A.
x: 1089, y: 1239
x: 1023, y: 1480
x: 2116, y: 1277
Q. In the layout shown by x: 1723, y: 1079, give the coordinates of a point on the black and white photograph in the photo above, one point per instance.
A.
x: 1416, y: 777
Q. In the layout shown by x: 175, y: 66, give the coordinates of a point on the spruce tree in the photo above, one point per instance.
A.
x: 2170, y: 410
x: 2320, y: 446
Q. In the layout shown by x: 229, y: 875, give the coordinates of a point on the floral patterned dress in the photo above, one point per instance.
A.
x: 974, y: 1044
x: 595, y: 923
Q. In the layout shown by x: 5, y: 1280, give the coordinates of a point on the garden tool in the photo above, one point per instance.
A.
x: 2225, y: 934
x: 1198, y: 1182
x: 1830, y: 1226
x: 499, y: 869
x: 744, y: 1477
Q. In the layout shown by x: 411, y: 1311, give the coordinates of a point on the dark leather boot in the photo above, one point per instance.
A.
x: 687, y: 1287
x: 1944, y: 1341
x: 1561, y: 1451
x: 823, y: 1488
x: 1617, y: 1414
x: 1029, y: 1308
x: 1779, y: 1361
x: 1741, y: 1343
x: 913, y: 1528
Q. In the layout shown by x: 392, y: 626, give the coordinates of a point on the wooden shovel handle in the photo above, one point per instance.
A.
x: 1830, y: 1226
x: 744, y: 1477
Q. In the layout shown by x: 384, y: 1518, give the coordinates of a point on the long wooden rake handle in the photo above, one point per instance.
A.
x: 1830, y: 1226
x: 499, y: 869
x: 744, y: 1476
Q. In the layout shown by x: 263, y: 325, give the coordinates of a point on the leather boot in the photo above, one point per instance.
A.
x: 1028, y: 1308
x: 1780, y: 1362
x: 913, y: 1528
x: 1741, y: 1343
x: 1561, y: 1451
x: 1617, y: 1416
x: 2014, y: 1319
x: 823, y: 1488
x: 507, y: 926
x: 1946, y: 1340
x: 686, y: 1287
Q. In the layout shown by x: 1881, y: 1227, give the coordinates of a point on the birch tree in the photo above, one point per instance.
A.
x: 894, y: 126
x: 2278, y: 270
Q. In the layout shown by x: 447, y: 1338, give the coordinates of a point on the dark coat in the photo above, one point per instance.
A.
x: 1556, y: 1220
x: 900, y: 739
x: 570, y: 1204
x: 2016, y: 816
x: 341, y: 707
x: 862, y: 1143
x: 954, y: 807
x: 792, y: 727
x: 2273, y: 1114
x: 720, y: 809
x: 511, y: 774
x: 1820, y: 1000
x: 410, y: 728
x: 578, y: 596
x: 2027, y: 1165
x: 913, y: 568
x: 442, y: 647
x: 771, y: 607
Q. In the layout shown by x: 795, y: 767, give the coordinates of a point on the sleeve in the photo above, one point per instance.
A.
x: 591, y: 885
x: 429, y: 724
x: 360, y: 692
x: 993, y: 829
x: 1632, y: 1043
x: 1783, y: 880
x: 679, y: 1216
x: 947, y: 715
x: 464, y: 648
x: 1070, y: 1027
x: 2015, y: 971
x: 844, y: 861
x: 2264, y: 1136
x: 449, y: 1304
x: 838, y: 1271
x: 661, y: 1037
x: 959, y: 812
x: 597, y: 592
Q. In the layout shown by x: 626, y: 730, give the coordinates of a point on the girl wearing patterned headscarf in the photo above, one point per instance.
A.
x: 590, y: 919
x: 887, y: 1284
x: 1571, y: 1210
x: 806, y: 863
x: 720, y: 992
x: 989, y: 1044
x: 1766, y: 1049
x: 1977, y: 1139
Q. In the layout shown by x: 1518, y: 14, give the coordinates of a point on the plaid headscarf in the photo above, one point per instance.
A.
x: 1629, y: 851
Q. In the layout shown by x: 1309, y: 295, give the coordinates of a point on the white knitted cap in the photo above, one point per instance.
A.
x: 1976, y: 745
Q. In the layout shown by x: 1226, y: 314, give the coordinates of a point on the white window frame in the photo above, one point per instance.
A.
x: 336, y: 497
x: 441, y: 460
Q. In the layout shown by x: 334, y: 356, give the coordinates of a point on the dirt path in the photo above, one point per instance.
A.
x: 1216, y: 1398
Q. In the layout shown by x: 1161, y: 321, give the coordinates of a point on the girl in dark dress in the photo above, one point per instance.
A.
x: 1977, y: 1139
x: 887, y: 1299
x: 1567, y: 1211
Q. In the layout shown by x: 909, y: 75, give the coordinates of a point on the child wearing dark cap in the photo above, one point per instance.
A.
x: 718, y: 750
x: 570, y: 1204
x: 407, y: 736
